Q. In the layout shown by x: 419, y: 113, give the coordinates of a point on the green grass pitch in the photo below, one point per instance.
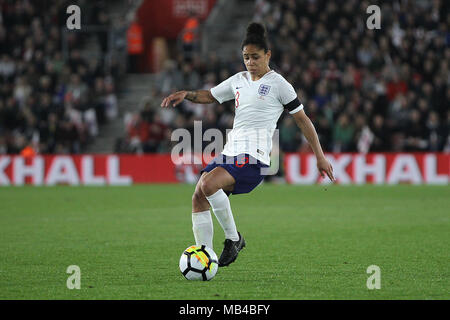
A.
x: 303, y: 242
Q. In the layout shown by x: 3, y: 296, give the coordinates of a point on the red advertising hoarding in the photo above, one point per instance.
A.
x: 299, y: 168
x: 87, y: 169
x: 372, y: 168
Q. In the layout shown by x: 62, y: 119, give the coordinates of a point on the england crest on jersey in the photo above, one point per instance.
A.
x: 263, y: 90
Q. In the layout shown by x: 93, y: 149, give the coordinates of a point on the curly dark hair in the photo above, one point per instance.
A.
x: 256, y: 35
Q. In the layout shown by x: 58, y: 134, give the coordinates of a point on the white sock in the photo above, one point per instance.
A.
x: 222, y: 209
x: 202, y: 226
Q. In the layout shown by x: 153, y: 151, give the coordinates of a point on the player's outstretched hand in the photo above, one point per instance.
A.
x: 174, y: 99
x: 325, y: 167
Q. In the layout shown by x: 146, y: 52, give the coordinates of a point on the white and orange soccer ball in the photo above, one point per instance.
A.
x: 199, y: 263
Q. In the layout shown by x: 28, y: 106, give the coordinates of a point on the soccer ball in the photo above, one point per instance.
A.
x: 199, y: 263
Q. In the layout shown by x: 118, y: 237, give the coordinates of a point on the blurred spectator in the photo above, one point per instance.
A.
x: 135, y: 46
x: 110, y: 100
x: 289, y: 135
x: 437, y: 132
x: 415, y: 133
x: 381, y: 135
x: 343, y: 134
x: 138, y: 133
x: 157, y: 134
x: 190, y: 36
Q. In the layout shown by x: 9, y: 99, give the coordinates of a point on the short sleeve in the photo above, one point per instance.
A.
x: 223, y: 91
x: 288, y: 97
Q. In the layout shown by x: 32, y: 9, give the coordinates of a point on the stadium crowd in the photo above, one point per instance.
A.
x: 365, y: 90
x: 47, y: 103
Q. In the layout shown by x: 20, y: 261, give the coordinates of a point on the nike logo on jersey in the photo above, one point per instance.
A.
x: 238, y: 87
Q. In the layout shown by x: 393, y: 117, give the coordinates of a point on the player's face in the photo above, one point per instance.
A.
x: 255, y: 59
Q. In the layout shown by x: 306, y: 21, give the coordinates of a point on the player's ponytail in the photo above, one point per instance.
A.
x: 256, y: 35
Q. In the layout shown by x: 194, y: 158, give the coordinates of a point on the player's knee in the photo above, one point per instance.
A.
x: 208, y: 187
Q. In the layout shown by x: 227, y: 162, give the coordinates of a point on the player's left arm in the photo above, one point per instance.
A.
x: 305, y: 124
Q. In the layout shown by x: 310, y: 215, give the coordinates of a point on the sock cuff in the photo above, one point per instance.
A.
x: 220, y: 194
x: 201, y: 217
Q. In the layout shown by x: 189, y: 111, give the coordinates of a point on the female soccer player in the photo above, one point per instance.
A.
x: 260, y: 95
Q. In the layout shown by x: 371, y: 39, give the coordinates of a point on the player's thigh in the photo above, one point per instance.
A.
x: 216, y: 179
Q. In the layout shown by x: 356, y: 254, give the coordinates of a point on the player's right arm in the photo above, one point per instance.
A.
x: 198, y: 96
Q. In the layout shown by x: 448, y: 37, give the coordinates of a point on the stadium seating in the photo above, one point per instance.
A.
x: 48, y: 103
x: 365, y: 90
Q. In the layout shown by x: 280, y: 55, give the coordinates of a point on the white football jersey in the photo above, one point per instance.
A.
x: 258, y: 106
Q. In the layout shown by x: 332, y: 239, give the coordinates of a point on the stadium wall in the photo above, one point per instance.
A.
x: 299, y: 168
x: 165, y: 20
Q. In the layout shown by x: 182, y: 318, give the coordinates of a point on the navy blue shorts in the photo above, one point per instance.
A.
x: 245, y: 170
